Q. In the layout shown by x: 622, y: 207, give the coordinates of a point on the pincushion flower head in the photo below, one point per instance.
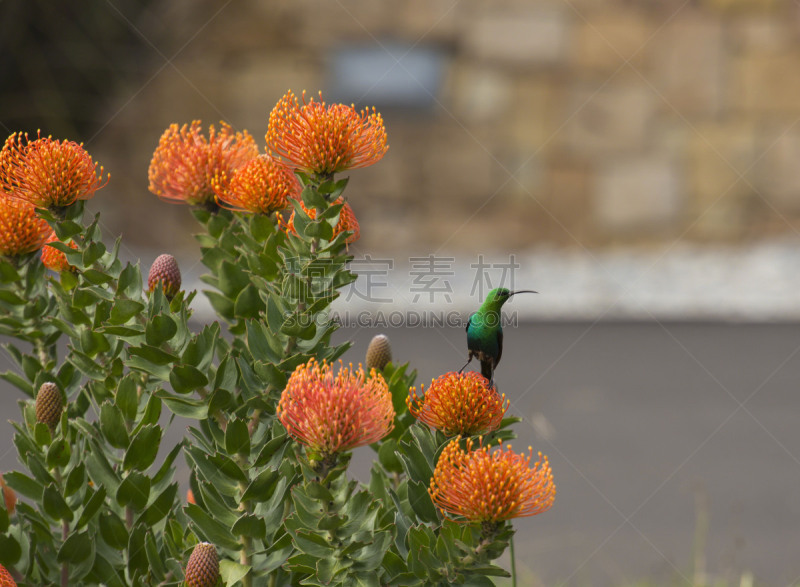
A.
x: 21, y: 230
x: 459, y: 403
x: 347, y: 221
x: 486, y: 486
x: 262, y: 185
x: 47, y: 173
x: 335, y: 412
x: 187, y: 167
x: 325, y: 138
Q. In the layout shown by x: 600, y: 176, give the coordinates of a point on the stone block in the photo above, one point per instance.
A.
x: 777, y: 173
x: 613, y: 118
x: 688, y: 66
x: 605, y: 41
x: 760, y: 33
x: 767, y: 84
x: 478, y: 94
x: 638, y: 195
x: 742, y: 5
x: 535, y: 110
x: 534, y: 36
x: 719, y: 159
x: 459, y: 164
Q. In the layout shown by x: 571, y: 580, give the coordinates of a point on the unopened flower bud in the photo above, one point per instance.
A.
x: 49, y: 404
x: 202, y: 570
x: 166, y: 272
x: 379, y: 352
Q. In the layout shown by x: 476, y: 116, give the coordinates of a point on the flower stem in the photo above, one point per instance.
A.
x: 513, y: 564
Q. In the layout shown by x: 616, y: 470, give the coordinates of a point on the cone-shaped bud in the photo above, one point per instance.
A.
x: 166, y: 272
x: 202, y: 570
x: 49, y: 404
x: 6, y: 580
x: 9, y: 497
x: 379, y: 352
x: 190, y: 497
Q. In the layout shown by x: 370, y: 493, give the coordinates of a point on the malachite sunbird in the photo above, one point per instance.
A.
x: 485, y: 331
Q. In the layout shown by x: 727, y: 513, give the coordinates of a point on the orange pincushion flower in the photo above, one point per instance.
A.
x: 491, y: 487
x: 21, y: 230
x: 459, y: 403
x: 48, y: 173
x: 331, y: 413
x: 6, y: 580
x: 325, y: 139
x: 54, y: 259
x: 347, y: 221
x: 262, y: 185
x: 187, y: 167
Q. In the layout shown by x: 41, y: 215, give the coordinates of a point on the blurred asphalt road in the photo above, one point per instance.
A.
x: 641, y: 421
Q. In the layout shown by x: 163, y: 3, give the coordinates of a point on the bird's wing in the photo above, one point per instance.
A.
x: 469, y: 320
x: 499, y: 347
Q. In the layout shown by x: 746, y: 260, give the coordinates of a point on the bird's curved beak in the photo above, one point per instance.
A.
x: 513, y: 293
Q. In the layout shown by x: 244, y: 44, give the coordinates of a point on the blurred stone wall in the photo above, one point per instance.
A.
x: 573, y: 122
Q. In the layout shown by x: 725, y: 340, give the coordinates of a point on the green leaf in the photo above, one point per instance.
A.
x: 222, y: 304
x: 271, y: 375
x: 421, y: 501
x: 184, y: 406
x: 160, y: 328
x: 134, y: 491
x: 58, y: 453
x: 75, y: 480
x: 54, y: 504
x: 312, y: 197
x: 160, y: 507
x: 100, y: 470
x: 154, y: 558
x: 113, y: 531
x: 127, y: 398
x: 260, y: 487
x: 232, y: 279
x: 210, y: 529
x: 187, y: 378
x: 124, y: 310
x: 18, y: 382
x: 143, y: 448
x: 10, y: 550
x: 237, y: 438
x: 257, y: 342
x: 24, y: 485
x: 129, y: 283
x: 232, y: 572
x: 112, y: 423
x: 249, y: 303
x: 153, y: 354
x: 86, y: 365
x: 250, y: 525
x: 76, y: 548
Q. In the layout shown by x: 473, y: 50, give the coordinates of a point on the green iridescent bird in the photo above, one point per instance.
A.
x: 485, y: 331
